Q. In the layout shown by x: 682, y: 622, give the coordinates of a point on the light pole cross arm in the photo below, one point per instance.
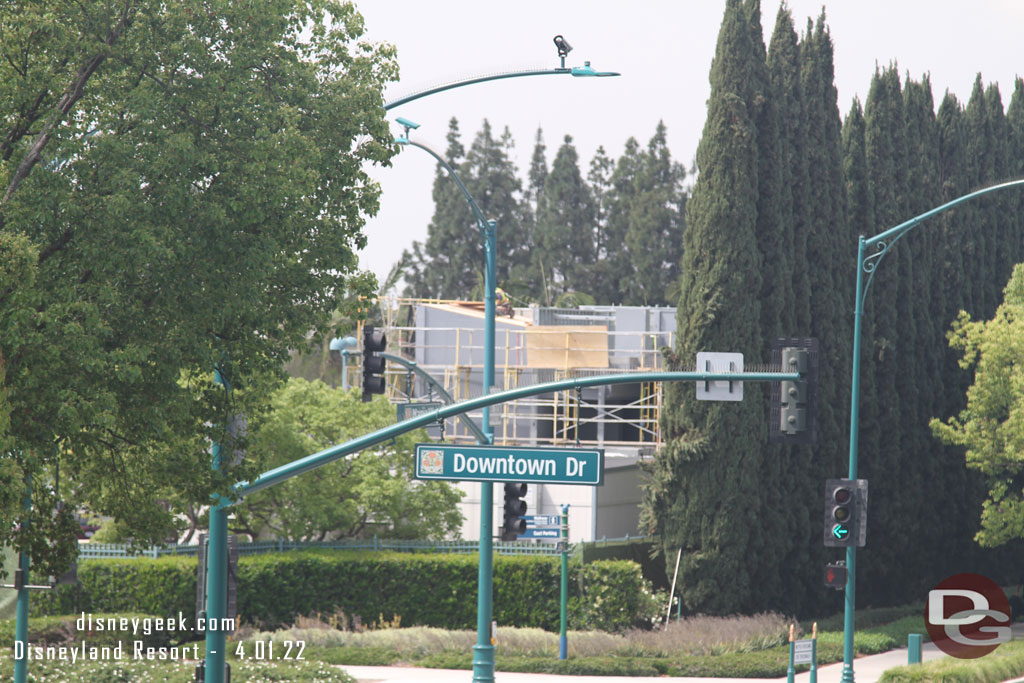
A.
x: 311, y: 462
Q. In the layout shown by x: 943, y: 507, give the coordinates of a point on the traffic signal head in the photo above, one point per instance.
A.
x: 514, y: 509
x: 835, y: 575
x: 793, y: 402
x: 374, y: 342
x: 845, y: 512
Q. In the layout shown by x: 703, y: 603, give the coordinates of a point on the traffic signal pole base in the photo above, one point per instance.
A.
x: 483, y: 664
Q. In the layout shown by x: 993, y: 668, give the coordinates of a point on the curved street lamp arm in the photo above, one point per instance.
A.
x: 884, y: 241
x: 586, y: 70
x: 477, y: 213
x: 439, y: 388
x: 897, y: 231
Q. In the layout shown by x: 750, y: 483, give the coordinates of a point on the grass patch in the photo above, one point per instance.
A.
x: 1006, y: 663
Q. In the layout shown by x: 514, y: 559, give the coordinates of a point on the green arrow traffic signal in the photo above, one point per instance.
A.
x: 840, y: 532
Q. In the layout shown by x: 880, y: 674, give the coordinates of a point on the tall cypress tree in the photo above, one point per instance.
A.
x: 1000, y: 206
x: 524, y: 280
x: 447, y: 265
x: 654, y: 232
x: 565, y: 227
x: 977, y: 243
x: 772, y: 234
x: 619, y: 205
x: 703, y: 495
x: 601, y: 281
x: 921, y: 356
x: 490, y: 176
x: 1015, y: 124
x: 784, y: 73
x: 879, y: 459
x: 861, y: 221
x: 829, y: 249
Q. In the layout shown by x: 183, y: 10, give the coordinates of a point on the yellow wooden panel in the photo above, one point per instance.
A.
x: 555, y: 346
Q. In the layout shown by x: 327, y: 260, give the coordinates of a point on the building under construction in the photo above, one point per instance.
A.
x: 535, y: 345
x: 446, y: 340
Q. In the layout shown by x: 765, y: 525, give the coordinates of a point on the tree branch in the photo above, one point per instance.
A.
x: 71, y: 96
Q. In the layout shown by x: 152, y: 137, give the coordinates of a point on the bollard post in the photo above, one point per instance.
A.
x: 913, y: 648
x: 814, y: 653
x: 791, y: 671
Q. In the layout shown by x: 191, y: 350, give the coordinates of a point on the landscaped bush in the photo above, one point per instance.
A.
x: 418, y: 589
x: 62, y: 630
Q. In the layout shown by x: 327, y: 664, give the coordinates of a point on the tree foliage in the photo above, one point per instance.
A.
x: 366, y: 494
x: 183, y: 188
x: 991, y: 427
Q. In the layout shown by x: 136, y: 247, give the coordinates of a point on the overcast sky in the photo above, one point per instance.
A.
x: 662, y: 48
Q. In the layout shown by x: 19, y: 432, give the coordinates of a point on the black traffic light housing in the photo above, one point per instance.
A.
x: 374, y: 342
x: 514, y: 509
x: 846, y: 507
x: 794, y: 403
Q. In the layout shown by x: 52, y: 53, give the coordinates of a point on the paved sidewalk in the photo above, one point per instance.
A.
x: 865, y: 670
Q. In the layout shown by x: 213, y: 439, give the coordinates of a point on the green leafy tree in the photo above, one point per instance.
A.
x: 366, y: 494
x: 182, y: 186
x: 991, y: 426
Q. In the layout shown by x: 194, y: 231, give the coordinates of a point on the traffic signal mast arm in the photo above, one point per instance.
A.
x: 311, y: 462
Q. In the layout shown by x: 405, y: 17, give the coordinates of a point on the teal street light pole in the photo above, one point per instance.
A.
x: 218, y: 541
x: 867, y: 262
x: 483, y: 651
x: 217, y: 572
x: 343, y: 345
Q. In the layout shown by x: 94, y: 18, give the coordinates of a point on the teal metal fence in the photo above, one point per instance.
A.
x: 96, y: 551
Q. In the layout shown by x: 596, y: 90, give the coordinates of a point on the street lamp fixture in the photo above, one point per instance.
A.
x: 343, y: 345
x: 564, y: 48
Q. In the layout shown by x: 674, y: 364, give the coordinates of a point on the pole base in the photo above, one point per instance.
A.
x: 483, y: 664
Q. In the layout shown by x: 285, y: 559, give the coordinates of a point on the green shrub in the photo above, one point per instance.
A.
x: 419, y: 589
x: 62, y: 630
x: 163, y: 586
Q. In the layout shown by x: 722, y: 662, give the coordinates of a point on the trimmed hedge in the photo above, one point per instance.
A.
x: 421, y: 589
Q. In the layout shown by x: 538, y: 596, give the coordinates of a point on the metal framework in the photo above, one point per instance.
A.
x: 597, y: 418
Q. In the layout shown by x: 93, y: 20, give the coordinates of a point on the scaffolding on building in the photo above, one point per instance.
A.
x: 445, y: 339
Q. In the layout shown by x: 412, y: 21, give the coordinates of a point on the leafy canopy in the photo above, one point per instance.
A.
x: 991, y: 427
x: 368, y: 493
x: 182, y: 186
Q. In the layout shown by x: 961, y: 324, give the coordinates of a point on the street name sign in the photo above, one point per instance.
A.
x: 510, y: 463
x: 542, y: 520
x: 407, y: 411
